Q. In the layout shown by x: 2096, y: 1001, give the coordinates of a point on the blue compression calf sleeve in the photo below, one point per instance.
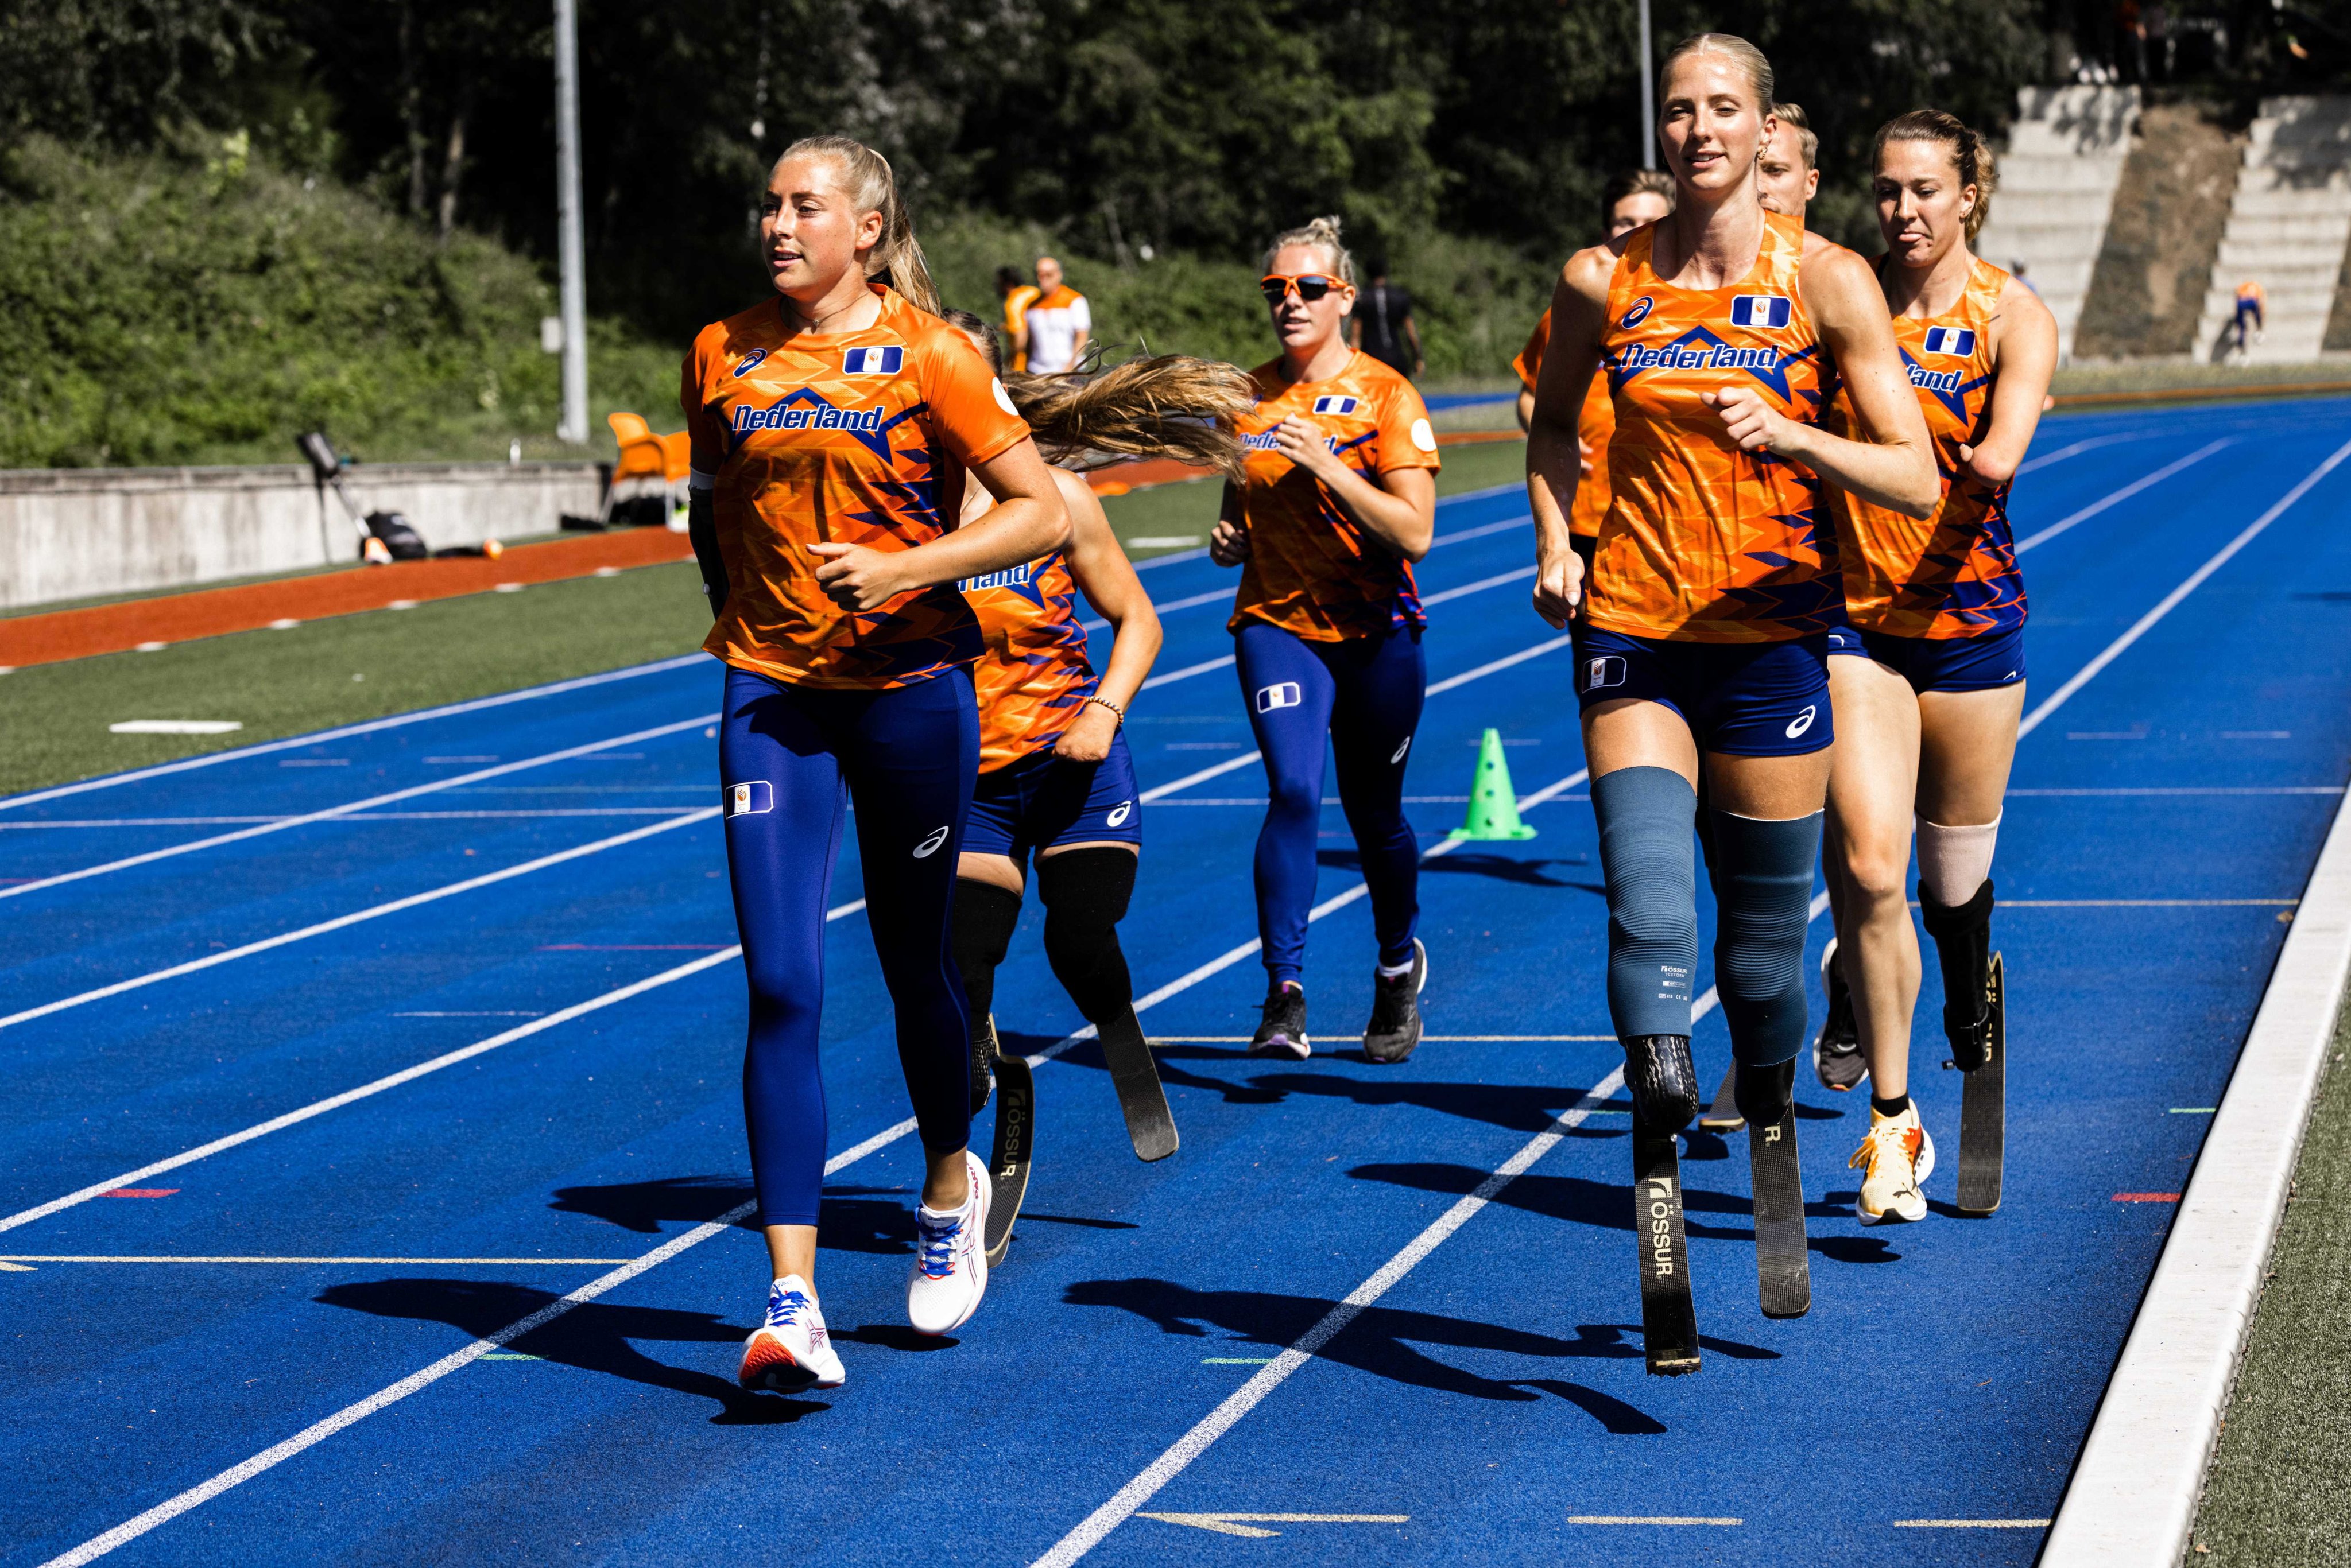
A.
x: 1646, y: 817
x: 1765, y: 887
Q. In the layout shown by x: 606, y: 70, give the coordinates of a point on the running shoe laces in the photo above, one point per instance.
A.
x: 785, y: 1307
x: 936, y: 1239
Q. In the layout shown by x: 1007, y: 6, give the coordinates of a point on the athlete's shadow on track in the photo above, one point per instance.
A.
x: 853, y: 1219
x: 1383, y: 1342
x: 1520, y: 1107
x: 1479, y: 863
x: 593, y: 1337
x: 1580, y: 1200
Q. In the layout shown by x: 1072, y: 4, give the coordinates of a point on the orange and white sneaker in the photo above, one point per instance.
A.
x: 1895, y: 1161
x: 790, y: 1351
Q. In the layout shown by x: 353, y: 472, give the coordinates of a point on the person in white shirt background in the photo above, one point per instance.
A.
x: 1059, y: 323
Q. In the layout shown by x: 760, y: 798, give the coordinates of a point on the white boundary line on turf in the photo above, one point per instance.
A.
x: 329, y: 813
x: 2170, y: 601
x: 393, y: 1080
x: 2119, y: 496
x: 527, y: 693
x: 2132, y: 1499
x: 196, y: 1496
x: 431, y: 895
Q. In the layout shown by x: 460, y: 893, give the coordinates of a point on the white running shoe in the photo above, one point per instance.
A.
x: 790, y: 1351
x: 950, y: 1271
x: 1895, y: 1160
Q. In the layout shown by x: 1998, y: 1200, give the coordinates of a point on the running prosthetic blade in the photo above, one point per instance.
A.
x: 1141, y: 1098
x: 1016, y: 1141
x: 1668, y: 1314
x: 1723, y: 1114
x: 1983, y: 1106
x: 1784, y: 1272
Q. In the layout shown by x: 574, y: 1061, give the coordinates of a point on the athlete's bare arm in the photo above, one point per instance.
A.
x: 1579, y: 312
x: 1398, y: 508
x: 2024, y: 356
x: 1028, y: 520
x: 1895, y: 467
x: 1107, y: 579
x: 1228, y: 541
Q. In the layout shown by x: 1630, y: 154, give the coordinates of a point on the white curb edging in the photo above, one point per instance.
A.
x: 2132, y: 1497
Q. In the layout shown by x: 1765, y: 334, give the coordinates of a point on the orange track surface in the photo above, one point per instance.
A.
x: 210, y: 612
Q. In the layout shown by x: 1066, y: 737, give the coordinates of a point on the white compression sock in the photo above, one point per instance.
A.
x: 1954, y: 861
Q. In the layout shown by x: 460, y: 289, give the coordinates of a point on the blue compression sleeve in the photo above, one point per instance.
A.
x: 1766, y: 891
x: 1646, y: 820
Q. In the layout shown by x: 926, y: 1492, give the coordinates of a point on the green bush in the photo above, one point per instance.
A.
x: 199, y: 307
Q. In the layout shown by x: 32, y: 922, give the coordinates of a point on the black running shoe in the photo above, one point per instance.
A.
x: 1664, y: 1082
x: 1282, y: 1031
x: 1394, y: 1028
x: 983, y: 1062
x: 1836, y: 1054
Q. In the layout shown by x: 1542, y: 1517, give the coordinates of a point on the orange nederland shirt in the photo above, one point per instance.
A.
x: 1015, y: 321
x: 1310, y: 570
x: 1953, y: 574
x: 1702, y: 542
x: 1034, y: 677
x: 1594, y: 422
x: 855, y: 438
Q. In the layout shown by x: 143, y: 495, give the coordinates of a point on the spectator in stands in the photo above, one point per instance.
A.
x: 1382, y: 325
x: 1059, y: 322
x: 1013, y: 287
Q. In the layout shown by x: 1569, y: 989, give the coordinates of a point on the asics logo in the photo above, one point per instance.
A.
x: 1639, y: 313
x: 1119, y: 814
x: 929, y: 846
x: 1803, y: 721
x: 1400, y: 751
x: 1280, y: 694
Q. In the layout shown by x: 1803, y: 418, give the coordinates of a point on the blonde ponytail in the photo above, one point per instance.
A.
x: 1323, y: 233
x: 866, y: 179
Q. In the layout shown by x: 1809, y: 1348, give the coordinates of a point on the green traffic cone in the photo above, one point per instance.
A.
x: 1493, y: 804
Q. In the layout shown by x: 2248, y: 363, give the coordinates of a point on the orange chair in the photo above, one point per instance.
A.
x: 645, y: 456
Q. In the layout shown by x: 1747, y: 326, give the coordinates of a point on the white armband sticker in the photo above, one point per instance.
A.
x: 1003, y: 398
x: 1422, y: 436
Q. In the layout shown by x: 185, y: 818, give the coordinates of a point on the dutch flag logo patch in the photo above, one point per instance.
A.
x: 872, y: 361
x: 1334, y: 405
x: 1956, y: 341
x: 1764, y: 311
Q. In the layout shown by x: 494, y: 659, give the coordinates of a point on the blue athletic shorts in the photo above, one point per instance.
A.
x: 1740, y: 699
x: 1043, y: 800
x: 1939, y: 663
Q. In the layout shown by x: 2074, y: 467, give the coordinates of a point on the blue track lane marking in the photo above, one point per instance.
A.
x: 2117, y: 498
x: 281, y: 824
x: 342, y: 922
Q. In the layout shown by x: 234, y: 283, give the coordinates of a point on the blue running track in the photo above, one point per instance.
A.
x: 313, y: 1096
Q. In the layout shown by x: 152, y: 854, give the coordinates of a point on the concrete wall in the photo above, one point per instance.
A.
x: 67, y: 533
x: 2289, y: 225
x: 2057, y: 179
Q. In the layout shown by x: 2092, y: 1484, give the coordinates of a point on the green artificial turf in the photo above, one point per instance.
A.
x: 344, y: 669
x: 2279, y: 1491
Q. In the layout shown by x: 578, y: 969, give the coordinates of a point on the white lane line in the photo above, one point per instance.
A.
x: 2219, y: 558
x: 1249, y: 1395
x: 1186, y: 673
x: 1969, y: 1523
x: 356, y: 917
x: 2062, y: 453
x: 2132, y: 1497
x: 196, y: 1496
x: 1466, y: 676
x: 1194, y: 1443
x: 1159, y: 791
x: 2119, y: 496
x: 108, y: 821
x: 1481, y: 585
x: 527, y: 694
x: 393, y: 1080
x: 2193, y: 789
x: 331, y: 813
x: 1647, y: 1519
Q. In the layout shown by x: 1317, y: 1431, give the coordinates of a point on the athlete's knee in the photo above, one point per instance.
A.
x: 986, y: 916
x: 1086, y: 893
x: 1954, y: 862
x: 1765, y: 886
x: 1293, y: 793
x: 1646, y: 856
x: 1876, y: 875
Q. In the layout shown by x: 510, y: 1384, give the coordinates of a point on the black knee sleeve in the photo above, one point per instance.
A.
x: 1765, y: 889
x: 1086, y: 893
x: 1644, y: 816
x: 985, y: 919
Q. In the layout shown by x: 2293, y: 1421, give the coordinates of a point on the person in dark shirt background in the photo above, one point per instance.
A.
x: 1382, y: 325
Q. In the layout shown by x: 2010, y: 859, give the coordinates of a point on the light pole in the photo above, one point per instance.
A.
x: 569, y: 248
x: 1648, y: 98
